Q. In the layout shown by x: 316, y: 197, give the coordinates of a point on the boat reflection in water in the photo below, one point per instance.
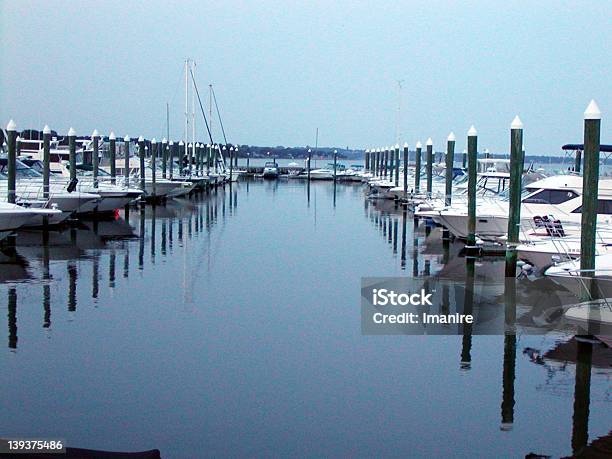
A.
x: 529, y: 306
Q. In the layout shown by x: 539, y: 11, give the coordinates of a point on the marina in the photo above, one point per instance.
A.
x: 239, y: 230
x: 76, y: 299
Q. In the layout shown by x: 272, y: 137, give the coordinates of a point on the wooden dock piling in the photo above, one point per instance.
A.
x: 335, y: 164
x: 516, y: 174
x: 450, y: 160
x: 154, y: 148
x: 72, y: 154
x: 112, y: 139
x: 578, y: 161
x: 126, y: 160
x: 46, y: 160
x: 397, y: 164
x: 141, y: 156
x: 472, y: 177
x: 95, y: 157
x: 164, y: 157
x: 417, y: 167
x: 590, y: 187
x: 11, y: 130
x: 405, y: 170
x: 429, y: 166
x: 391, y: 163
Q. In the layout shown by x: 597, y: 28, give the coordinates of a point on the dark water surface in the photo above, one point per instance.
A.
x: 229, y: 324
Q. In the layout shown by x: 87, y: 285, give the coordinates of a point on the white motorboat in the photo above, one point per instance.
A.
x: 322, y: 174
x: 557, y: 197
x: 569, y: 275
x: 271, y: 170
x: 13, y: 217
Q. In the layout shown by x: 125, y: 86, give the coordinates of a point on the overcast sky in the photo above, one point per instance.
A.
x: 282, y: 69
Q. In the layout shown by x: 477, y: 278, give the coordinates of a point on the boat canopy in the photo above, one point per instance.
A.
x: 580, y: 147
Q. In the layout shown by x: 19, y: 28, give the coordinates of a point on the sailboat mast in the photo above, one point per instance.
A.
x: 316, y: 145
x: 185, y: 133
x: 210, y: 118
x: 193, y: 126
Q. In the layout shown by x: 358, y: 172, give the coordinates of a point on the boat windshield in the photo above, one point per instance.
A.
x: 21, y: 170
x: 270, y: 164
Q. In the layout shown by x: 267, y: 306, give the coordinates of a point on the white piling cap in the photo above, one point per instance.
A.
x: 472, y: 132
x: 236, y: 148
x: 126, y: 138
x: 592, y: 112
x: 367, y: 150
x: 405, y: 144
x: 95, y: 133
x: 397, y: 146
x: 46, y: 130
x: 112, y: 136
x: 71, y: 132
x: 153, y: 140
x: 11, y: 126
x: 171, y: 143
x: 464, y: 151
x: 224, y: 147
x: 141, y: 139
x: 486, y: 150
x: 181, y: 143
x: 429, y: 142
x: 189, y: 146
x: 516, y: 123
x: 335, y: 151
x: 419, y: 145
x: 451, y: 137
x: 164, y: 140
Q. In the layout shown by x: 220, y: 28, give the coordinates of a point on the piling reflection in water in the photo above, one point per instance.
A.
x: 65, y: 257
x: 582, y: 355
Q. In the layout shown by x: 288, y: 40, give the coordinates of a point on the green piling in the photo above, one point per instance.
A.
x: 405, y: 169
x: 429, y: 166
x: 590, y: 184
x: 154, y: 166
x: 112, y: 139
x: 397, y: 164
x: 450, y: 159
x: 11, y: 130
x: 417, y: 168
x: 391, y: 163
x: 141, y: 157
x: 164, y: 157
x: 95, y: 158
x: 472, y: 158
x: 126, y: 160
x: 46, y: 160
x: 72, y: 153
x: 335, y: 164
x: 516, y: 173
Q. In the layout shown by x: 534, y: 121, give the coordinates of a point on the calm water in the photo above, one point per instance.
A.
x: 229, y: 325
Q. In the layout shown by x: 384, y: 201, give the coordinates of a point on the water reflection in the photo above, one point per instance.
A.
x: 196, y: 237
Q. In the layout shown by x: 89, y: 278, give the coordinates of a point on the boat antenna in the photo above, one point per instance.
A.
x: 195, y: 86
x: 218, y: 114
